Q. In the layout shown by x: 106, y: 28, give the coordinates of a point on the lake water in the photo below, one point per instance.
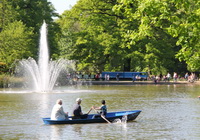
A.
x: 168, y: 112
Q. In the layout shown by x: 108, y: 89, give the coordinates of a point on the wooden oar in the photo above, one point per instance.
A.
x: 89, y: 110
x: 103, y: 117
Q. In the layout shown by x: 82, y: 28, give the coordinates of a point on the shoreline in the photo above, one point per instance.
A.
x: 140, y: 82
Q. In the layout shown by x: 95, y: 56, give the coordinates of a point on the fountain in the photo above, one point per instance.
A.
x: 42, y: 76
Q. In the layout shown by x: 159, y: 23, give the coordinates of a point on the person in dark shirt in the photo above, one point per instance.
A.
x: 77, y: 111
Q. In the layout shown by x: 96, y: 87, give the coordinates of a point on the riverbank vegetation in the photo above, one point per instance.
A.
x: 153, y: 36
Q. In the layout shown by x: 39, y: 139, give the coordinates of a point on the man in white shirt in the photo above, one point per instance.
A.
x: 58, y: 112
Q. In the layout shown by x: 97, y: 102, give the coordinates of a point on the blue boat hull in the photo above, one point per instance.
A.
x: 111, y: 116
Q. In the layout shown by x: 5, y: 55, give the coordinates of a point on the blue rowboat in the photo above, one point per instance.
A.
x: 95, y: 118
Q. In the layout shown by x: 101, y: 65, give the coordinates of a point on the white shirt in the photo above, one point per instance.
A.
x: 58, y: 113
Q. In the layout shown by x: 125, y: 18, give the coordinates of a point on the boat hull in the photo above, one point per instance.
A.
x: 111, y: 116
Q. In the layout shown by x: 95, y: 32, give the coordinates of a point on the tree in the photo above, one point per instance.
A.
x: 132, y: 35
x: 186, y: 28
x: 151, y: 47
x: 15, y: 42
x: 90, y: 35
x: 177, y: 20
x: 32, y: 13
x: 7, y: 13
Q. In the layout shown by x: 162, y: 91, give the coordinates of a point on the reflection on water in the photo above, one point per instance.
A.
x: 57, y: 131
x: 168, y: 112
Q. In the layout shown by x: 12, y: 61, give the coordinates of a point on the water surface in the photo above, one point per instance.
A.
x: 168, y: 112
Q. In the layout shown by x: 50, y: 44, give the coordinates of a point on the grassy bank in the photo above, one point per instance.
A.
x: 5, y: 80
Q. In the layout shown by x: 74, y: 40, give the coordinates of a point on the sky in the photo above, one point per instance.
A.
x: 62, y: 5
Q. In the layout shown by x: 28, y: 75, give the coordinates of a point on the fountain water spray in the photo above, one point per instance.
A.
x: 42, y: 76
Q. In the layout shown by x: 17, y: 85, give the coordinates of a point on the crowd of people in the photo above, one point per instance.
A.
x: 187, y: 77
x: 190, y: 77
x: 59, y: 114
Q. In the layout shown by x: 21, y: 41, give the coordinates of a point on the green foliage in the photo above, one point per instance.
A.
x: 16, y: 42
x: 20, y: 23
x: 132, y: 35
x: 110, y: 35
x: 7, y: 13
x: 33, y: 12
x: 90, y: 35
x: 119, y: 36
x: 151, y: 46
x: 187, y: 29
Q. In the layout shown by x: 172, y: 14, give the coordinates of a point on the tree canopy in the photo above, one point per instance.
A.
x: 20, y: 22
x: 132, y: 35
x: 155, y: 36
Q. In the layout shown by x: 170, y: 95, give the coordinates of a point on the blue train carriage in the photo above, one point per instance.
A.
x: 139, y: 76
x: 126, y: 75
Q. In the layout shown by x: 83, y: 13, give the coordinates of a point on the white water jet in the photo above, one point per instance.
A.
x: 43, y: 62
x: 42, y: 76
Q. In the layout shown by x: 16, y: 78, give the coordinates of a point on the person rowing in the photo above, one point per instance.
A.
x: 102, y: 108
x: 103, y: 111
x: 77, y: 111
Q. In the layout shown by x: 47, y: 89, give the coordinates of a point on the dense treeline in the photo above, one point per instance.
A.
x: 132, y: 35
x: 20, y: 22
x: 155, y: 36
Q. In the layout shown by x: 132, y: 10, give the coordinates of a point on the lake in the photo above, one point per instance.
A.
x: 168, y: 112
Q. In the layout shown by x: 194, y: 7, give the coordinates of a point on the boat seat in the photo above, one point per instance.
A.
x: 96, y: 116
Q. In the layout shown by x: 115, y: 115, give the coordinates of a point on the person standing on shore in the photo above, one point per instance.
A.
x: 100, y: 77
x: 186, y: 76
x: 105, y: 77
x: 168, y: 76
x: 133, y: 78
x: 175, y: 76
x: 117, y: 77
x: 108, y: 77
